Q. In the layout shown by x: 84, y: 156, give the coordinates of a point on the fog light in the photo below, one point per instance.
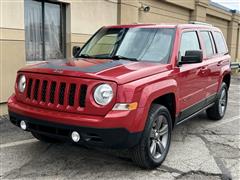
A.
x: 23, y: 125
x: 75, y: 136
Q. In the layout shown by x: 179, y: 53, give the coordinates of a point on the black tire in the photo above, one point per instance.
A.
x: 215, y: 112
x: 45, y: 138
x: 141, y: 154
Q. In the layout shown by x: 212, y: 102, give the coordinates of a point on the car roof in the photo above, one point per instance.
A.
x: 177, y: 26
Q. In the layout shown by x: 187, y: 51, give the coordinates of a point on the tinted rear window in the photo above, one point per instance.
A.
x: 220, y: 43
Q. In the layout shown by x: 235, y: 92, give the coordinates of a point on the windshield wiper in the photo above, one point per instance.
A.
x: 86, y: 56
x: 118, y: 57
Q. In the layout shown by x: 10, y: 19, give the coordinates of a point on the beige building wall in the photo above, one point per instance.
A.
x: 12, y: 46
x: 87, y: 17
x: 84, y: 17
x: 228, y: 22
x: 238, y: 44
x: 163, y: 12
x: 220, y: 23
x: 183, y: 11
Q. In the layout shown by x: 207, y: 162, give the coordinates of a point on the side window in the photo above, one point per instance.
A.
x: 189, y: 41
x: 220, y: 43
x: 207, y: 42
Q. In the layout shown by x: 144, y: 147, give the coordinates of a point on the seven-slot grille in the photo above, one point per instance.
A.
x: 56, y: 92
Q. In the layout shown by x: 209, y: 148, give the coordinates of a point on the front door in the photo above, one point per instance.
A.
x: 191, y: 79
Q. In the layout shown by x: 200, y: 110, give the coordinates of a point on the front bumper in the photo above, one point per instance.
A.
x: 116, y: 129
x: 111, y: 137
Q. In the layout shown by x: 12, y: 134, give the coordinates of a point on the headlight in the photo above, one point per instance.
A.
x: 103, y: 94
x: 22, y: 83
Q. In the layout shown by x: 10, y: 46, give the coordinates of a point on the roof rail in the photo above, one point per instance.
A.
x: 200, y: 23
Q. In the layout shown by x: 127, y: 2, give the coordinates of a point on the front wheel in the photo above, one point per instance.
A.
x: 217, y: 111
x: 154, y: 145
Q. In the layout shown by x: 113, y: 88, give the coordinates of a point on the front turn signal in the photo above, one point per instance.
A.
x: 125, y: 106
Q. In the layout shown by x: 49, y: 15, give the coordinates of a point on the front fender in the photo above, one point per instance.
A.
x: 149, y: 94
x: 155, y: 90
x: 145, y: 94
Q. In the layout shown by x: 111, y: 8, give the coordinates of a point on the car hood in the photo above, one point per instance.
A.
x: 120, y: 71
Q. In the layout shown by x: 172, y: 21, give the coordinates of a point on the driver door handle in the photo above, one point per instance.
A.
x: 204, y: 69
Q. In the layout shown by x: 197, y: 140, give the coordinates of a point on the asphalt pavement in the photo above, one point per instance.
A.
x: 200, y: 149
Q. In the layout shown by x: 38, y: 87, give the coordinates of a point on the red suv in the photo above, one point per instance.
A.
x: 127, y: 87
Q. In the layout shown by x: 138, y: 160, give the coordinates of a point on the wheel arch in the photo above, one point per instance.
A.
x: 227, y: 79
x: 169, y: 101
x: 162, y: 92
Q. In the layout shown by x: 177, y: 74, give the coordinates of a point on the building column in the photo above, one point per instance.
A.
x: 12, y: 47
x: 233, y: 37
x: 128, y: 11
x: 238, y: 44
x: 200, y: 12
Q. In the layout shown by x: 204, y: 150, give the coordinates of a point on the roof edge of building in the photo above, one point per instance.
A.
x: 217, y: 5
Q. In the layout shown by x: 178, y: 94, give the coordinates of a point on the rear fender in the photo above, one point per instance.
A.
x: 226, y: 69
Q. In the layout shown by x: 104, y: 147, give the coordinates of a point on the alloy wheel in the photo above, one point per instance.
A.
x: 222, y: 102
x: 158, y: 137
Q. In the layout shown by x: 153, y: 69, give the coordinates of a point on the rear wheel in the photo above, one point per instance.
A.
x: 217, y: 111
x: 45, y: 138
x: 154, y: 145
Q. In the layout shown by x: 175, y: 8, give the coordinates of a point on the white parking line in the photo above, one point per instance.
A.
x: 234, y: 85
x: 233, y: 102
x: 17, y: 143
x: 224, y: 122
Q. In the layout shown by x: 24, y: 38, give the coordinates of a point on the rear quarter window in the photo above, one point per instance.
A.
x: 220, y: 43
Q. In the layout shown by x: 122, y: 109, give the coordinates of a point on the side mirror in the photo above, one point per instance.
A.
x: 193, y: 56
x: 75, y: 51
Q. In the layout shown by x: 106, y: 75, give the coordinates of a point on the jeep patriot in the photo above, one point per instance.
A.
x: 127, y: 87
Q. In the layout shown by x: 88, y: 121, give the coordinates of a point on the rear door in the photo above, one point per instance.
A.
x: 210, y: 61
x: 192, y: 78
x: 222, y: 57
x: 215, y: 57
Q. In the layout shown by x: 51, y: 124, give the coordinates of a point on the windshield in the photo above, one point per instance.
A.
x: 142, y: 44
